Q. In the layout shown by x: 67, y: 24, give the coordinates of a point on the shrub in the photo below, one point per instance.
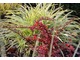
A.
x: 44, y: 30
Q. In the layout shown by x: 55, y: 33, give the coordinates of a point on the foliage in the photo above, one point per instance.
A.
x: 59, y: 47
x: 51, y: 26
x: 7, y: 6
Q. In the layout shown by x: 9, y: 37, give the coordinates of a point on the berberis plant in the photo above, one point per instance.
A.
x: 43, y: 31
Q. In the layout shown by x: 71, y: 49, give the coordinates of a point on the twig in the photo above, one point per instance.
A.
x: 40, y: 19
x: 18, y: 32
x: 61, y: 51
x: 51, y: 46
x: 45, y: 18
x: 36, y: 44
x: 15, y: 27
x: 2, y: 47
x: 76, y: 49
x: 61, y: 28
